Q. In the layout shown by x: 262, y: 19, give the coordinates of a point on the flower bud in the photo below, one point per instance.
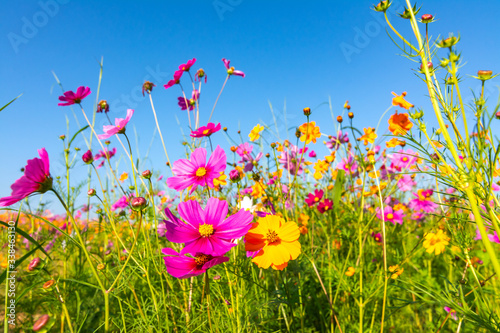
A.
x: 497, y: 115
x: 347, y: 106
x: 48, y: 284
x: 88, y: 157
x: 350, y: 115
x: 256, y: 177
x: 146, y: 174
x: 448, y: 42
x: 107, y: 142
x: 147, y: 87
x: 139, y: 203
x: 382, y: 6
x: 407, y: 13
x: 224, y: 129
x: 77, y: 149
x: 234, y: 149
x: 273, y: 144
x: 297, y: 133
x: 484, y: 75
x: 268, y: 155
x: 91, y: 192
x: 234, y: 176
x: 103, y: 106
x: 34, y: 264
x: 427, y: 18
x: 339, y: 119
x: 307, y: 111
x: 101, y: 266
x: 41, y: 323
x: 62, y: 137
x: 430, y: 66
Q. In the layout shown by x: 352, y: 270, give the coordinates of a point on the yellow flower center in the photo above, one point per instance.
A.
x: 326, y: 208
x: 272, y: 236
x: 405, y: 159
x: 316, y: 199
x: 206, y: 230
x: 201, y: 172
x: 201, y: 259
x: 205, y: 132
x: 390, y: 216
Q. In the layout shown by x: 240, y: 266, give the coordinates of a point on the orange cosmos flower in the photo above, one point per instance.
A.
x: 275, y: 240
x: 400, y: 101
x: 310, y: 132
x: 350, y: 271
x: 369, y: 136
x: 394, y: 142
x: 399, y: 124
x: 123, y: 177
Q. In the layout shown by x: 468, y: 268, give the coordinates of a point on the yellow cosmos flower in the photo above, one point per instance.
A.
x: 436, y: 242
x: 394, y: 142
x: 275, y: 239
x: 310, y: 132
x: 369, y: 136
x: 258, y: 190
x: 396, y: 271
x: 255, y: 132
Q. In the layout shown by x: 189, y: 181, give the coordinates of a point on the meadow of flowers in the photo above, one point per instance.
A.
x: 395, y: 229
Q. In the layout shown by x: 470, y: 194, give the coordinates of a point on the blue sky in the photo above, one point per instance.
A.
x: 292, y: 51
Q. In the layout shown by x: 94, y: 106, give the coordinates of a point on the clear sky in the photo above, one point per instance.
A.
x: 298, y: 52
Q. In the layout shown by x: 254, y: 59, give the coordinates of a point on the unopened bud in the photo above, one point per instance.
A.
x: 268, y: 155
x: 484, y: 75
x: 48, y: 284
x: 34, y: 264
x: 41, y: 323
x: 224, y: 129
x: 350, y: 115
x: 426, y: 18
x: 273, y: 144
x: 297, y: 133
x: 339, y: 119
x: 146, y: 174
x: 107, y: 142
x: 101, y: 266
x: 307, y: 111
x: 497, y: 115
x: 234, y: 149
x: 138, y: 203
x: 234, y: 176
x: 62, y: 137
x: 88, y: 157
x: 147, y: 87
x: 256, y: 177
x: 91, y: 192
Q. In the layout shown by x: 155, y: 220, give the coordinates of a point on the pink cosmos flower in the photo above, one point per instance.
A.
x: 348, y: 165
x: 312, y: 154
x: 406, y: 183
x: 206, y: 231
x: 36, y: 178
x: 391, y: 215
x: 492, y: 237
x: 196, y: 171
x: 206, y: 130
x: 314, y: 198
x: 403, y: 159
x: 423, y: 201
x: 231, y: 70
x: 182, y: 267
x: 118, y: 128
x: 377, y: 237
x: 245, y: 152
x: 187, y: 66
x: 176, y: 79
x: 291, y: 159
x: 453, y: 313
x: 104, y: 154
x: 336, y: 141
x: 122, y: 202
x: 325, y: 206
x: 71, y: 98
x: 195, y: 95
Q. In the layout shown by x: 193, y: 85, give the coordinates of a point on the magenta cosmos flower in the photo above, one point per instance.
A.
x: 314, y: 198
x: 181, y: 266
x: 187, y: 66
x: 231, y: 70
x: 325, y: 206
x: 71, y: 98
x: 206, y: 231
x: 175, y: 80
x: 391, y: 215
x: 118, y: 128
x: 36, y: 178
x: 195, y: 95
x: 423, y: 201
x: 205, y: 130
x: 196, y: 171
